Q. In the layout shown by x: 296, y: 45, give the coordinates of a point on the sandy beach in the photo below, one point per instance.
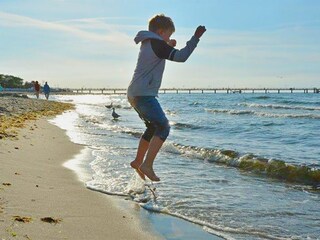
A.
x: 41, y: 199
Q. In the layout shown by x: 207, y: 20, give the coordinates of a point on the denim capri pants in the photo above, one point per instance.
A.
x: 151, y: 113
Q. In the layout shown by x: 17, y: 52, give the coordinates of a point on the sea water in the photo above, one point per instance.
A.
x: 243, y: 166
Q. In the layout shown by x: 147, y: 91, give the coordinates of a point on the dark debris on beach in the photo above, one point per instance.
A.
x: 16, y: 109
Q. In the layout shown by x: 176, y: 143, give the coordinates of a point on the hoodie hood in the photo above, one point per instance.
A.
x: 143, y: 35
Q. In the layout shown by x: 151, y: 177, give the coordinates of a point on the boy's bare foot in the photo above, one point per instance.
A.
x: 149, y: 173
x: 136, y: 166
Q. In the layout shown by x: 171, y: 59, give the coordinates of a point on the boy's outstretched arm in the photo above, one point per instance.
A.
x: 183, y: 54
x: 167, y: 51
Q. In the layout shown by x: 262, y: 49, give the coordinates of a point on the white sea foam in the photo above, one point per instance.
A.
x: 277, y: 106
x: 264, y: 114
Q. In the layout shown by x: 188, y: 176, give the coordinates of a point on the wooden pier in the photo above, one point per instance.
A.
x: 108, y: 91
x: 198, y: 90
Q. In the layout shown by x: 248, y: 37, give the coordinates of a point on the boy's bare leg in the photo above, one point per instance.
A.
x: 141, y: 152
x: 147, y: 166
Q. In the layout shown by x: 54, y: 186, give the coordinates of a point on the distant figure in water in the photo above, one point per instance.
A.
x: 114, y: 114
x: 156, y: 47
x: 46, y: 90
x: 37, y: 89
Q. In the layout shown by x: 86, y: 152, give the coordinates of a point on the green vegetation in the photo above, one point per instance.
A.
x: 9, y: 81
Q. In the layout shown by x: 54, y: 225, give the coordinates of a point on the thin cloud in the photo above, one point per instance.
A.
x: 13, y: 20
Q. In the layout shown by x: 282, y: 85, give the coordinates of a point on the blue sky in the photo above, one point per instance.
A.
x: 89, y: 43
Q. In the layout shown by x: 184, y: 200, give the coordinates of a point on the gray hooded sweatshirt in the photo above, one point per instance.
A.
x: 147, y: 76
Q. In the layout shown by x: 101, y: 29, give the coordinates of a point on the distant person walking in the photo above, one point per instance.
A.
x: 37, y: 89
x: 46, y: 90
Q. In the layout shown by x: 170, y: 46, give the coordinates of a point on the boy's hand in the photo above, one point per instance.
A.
x: 200, y: 30
x: 172, y: 42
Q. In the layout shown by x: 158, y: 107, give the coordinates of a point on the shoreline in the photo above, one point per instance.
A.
x: 165, y: 225
x: 35, y: 185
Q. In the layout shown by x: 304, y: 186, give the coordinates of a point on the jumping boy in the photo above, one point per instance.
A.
x: 156, y: 47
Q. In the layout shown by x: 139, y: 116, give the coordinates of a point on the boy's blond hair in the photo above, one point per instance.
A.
x: 160, y: 21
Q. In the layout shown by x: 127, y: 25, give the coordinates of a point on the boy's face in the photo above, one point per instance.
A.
x: 165, y: 34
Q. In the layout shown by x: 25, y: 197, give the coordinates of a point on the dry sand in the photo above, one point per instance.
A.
x: 34, y: 185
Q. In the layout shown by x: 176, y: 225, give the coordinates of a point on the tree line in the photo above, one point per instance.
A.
x: 9, y: 81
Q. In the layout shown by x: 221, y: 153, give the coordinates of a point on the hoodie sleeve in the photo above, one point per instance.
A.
x: 164, y: 51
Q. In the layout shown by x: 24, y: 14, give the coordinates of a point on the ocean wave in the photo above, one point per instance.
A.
x: 136, y: 134
x: 120, y: 129
x: 178, y: 125
x: 230, y: 111
x: 276, y: 106
x: 133, y: 133
x: 263, y: 114
x: 279, y: 115
x: 278, y: 169
x: 195, y: 103
x: 295, y: 102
